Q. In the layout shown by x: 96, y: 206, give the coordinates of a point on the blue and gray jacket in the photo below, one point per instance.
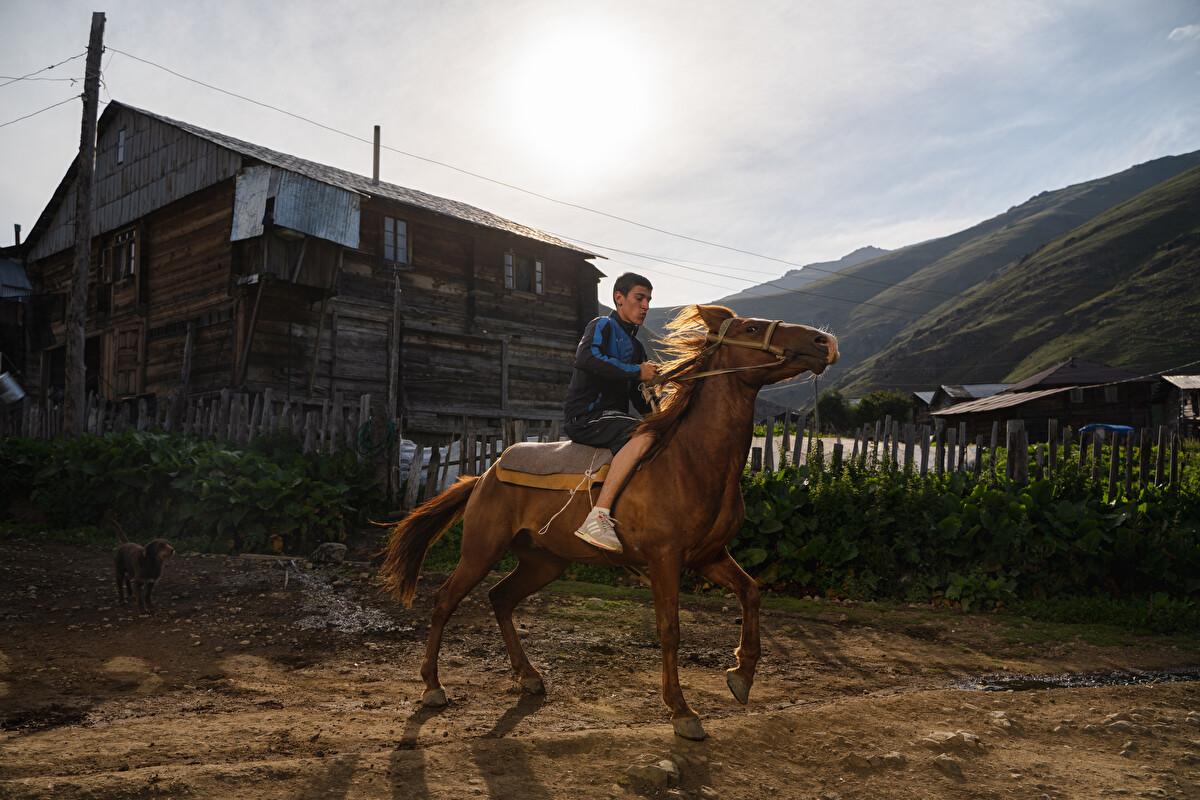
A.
x: 607, y: 370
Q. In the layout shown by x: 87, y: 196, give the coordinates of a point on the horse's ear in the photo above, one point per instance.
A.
x: 713, y: 316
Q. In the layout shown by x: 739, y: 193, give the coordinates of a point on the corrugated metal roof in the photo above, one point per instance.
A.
x: 1073, y: 372
x: 1183, y: 381
x: 997, y: 402
x: 13, y: 280
x: 362, y: 184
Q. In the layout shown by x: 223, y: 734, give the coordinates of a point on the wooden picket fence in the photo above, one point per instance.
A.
x: 1142, y: 457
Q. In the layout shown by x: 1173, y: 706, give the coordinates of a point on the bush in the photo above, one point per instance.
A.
x: 975, y: 543
x: 208, y: 494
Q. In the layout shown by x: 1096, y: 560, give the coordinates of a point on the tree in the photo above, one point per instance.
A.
x: 881, y: 403
x: 836, y: 414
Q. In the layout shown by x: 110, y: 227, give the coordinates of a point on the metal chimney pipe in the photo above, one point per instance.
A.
x: 375, y: 170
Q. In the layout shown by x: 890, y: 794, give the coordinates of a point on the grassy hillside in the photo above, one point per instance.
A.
x: 930, y: 274
x: 1119, y: 288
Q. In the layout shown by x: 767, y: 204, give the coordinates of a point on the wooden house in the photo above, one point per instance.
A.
x: 1186, y: 389
x: 221, y: 264
x: 1075, y: 392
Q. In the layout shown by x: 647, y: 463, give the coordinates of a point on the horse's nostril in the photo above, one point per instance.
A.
x: 822, y: 340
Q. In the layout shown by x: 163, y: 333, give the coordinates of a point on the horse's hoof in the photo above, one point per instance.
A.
x: 739, y: 686
x: 689, y: 728
x: 533, y: 685
x: 434, y: 698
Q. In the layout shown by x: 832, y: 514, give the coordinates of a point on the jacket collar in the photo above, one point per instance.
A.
x: 628, y: 327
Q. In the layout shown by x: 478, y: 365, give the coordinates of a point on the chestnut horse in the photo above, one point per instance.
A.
x: 679, y: 509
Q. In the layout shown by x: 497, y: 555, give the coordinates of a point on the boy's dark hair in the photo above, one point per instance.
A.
x: 629, y: 280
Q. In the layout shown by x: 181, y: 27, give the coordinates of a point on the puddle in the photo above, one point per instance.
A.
x: 1078, y: 680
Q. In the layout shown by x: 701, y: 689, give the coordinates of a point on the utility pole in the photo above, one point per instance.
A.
x: 74, y: 400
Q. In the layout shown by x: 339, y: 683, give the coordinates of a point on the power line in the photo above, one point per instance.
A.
x: 531, y: 192
x: 43, y: 69
x: 39, y: 111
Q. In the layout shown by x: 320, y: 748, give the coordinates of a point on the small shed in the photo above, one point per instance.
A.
x: 1187, y: 405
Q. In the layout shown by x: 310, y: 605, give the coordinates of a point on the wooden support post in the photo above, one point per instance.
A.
x: 756, y: 454
x: 393, y: 384
x: 1160, y: 456
x: 244, y: 361
x: 505, y: 346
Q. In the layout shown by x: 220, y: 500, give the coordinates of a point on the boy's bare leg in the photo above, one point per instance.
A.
x: 597, y: 529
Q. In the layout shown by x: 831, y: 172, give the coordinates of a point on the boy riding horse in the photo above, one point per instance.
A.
x: 610, y: 362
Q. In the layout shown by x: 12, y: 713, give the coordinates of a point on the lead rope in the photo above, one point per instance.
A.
x: 588, y: 475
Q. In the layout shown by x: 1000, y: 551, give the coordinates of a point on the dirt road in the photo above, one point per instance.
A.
x: 240, y: 687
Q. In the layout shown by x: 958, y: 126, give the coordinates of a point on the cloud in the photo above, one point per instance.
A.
x: 1184, y: 33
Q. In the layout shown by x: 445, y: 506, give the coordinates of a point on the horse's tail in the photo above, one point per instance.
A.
x: 415, y: 534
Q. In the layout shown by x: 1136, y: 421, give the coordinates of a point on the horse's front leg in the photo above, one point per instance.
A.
x: 726, y: 572
x: 664, y: 580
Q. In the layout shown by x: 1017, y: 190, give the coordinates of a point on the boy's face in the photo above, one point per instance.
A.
x: 632, y: 307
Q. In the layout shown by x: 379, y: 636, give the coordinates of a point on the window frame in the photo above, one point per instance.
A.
x: 512, y: 272
x: 391, y: 241
x: 1077, y: 394
x: 121, y: 140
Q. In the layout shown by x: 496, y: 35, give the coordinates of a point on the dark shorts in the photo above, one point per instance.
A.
x: 611, y: 429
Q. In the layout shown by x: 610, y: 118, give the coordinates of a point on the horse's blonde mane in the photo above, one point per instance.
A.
x: 684, y: 339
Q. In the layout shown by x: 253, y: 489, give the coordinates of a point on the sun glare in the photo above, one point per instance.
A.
x: 580, y: 101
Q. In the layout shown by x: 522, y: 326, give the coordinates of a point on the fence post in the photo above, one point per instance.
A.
x: 875, y: 444
x: 837, y: 458
x: 951, y: 448
x: 1174, y: 460
x: 769, y: 448
x: 755, y: 459
x: 1114, y: 464
x: 1010, y: 445
x: 939, y: 453
x: 1052, y: 443
x: 1144, y: 458
x: 1160, y: 457
x: 1097, y: 455
x: 786, y: 442
x: 854, y: 451
x: 1067, y: 438
x: 924, y: 450
x: 909, y: 437
x: 978, y: 455
x: 1022, y: 463
x: 412, y: 488
x: 895, y: 445
x: 432, y: 486
x: 1129, y: 463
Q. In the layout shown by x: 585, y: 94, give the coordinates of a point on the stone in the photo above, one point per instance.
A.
x: 894, y: 759
x: 948, y: 765
x: 854, y: 763
x: 1129, y: 748
x: 1120, y: 726
x: 329, y: 553
x: 709, y: 793
x: 658, y: 775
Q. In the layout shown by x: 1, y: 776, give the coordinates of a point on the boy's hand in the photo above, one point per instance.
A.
x: 648, y: 370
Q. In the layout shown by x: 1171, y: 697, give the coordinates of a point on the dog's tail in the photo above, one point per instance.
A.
x: 112, y: 520
x: 415, y: 534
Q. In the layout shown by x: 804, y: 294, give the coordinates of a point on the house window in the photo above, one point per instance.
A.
x: 1077, y: 395
x: 123, y: 255
x: 121, y: 146
x: 395, y: 240
x: 1110, y: 394
x: 524, y: 273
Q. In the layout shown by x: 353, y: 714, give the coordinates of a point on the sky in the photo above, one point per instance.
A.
x: 796, y: 130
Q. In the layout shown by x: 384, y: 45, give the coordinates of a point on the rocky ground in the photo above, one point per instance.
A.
x: 257, y: 681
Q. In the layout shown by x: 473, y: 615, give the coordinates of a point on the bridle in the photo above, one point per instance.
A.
x: 715, y: 340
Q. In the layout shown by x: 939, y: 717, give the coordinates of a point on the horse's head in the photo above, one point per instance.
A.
x: 766, y: 351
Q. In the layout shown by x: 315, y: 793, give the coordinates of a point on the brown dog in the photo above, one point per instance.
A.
x: 139, y: 568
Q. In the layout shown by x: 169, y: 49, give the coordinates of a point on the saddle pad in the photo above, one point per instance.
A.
x: 554, y: 458
x: 555, y: 465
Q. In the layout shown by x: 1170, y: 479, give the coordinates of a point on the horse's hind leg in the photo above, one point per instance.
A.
x: 726, y: 572
x: 535, y: 569
x: 478, y: 555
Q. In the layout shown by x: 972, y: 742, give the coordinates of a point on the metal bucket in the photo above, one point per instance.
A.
x: 10, y: 390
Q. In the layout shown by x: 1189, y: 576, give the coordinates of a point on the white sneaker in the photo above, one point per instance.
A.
x: 597, y: 530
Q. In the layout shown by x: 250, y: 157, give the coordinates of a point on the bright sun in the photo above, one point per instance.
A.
x: 580, y: 102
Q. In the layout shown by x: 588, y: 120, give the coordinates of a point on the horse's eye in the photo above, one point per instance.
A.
x: 751, y: 329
